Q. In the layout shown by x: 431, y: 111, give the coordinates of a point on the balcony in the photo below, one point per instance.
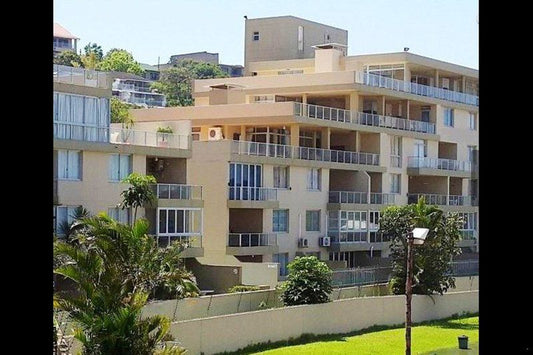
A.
x: 80, y: 132
x: 416, y: 89
x: 252, y: 197
x: 356, y: 197
x: 303, y: 153
x: 178, y: 195
x: 382, y: 198
x: 438, y: 167
x: 361, y: 118
x: 192, y: 244
x: 442, y: 200
x: 469, y: 238
x: 80, y: 76
x: 149, y: 139
x: 252, y: 243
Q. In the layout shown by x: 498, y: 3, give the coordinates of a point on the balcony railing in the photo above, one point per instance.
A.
x: 437, y: 163
x: 177, y: 191
x: 348, y: 197
x: 187, y: 240
x: 252, y: 239
x: 304, y: 153
x: 347, y: 116
x: 445, y: 200
x: 382, y: 198
x: 161, y: 102
x: 468, y: 234
x: 80, y: 76
x: 131, y: 87
x: 350, y: 237
x: 465, y: 268
x: 395, y: 161
x: 80, y: 132
x: 252, y: 193
x: 417, y: 89
x: 150, y: 139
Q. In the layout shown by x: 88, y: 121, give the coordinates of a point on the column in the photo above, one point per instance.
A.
x: 436, y: 78
x: 463, y: 86
x: 304, y: 107
x: 357, y: 141
x: 447, y: 190
x: 354, y: 102
x: 242, y: 137
x: 295, y: 135
x: 325, y: 137
x: 407, y: 109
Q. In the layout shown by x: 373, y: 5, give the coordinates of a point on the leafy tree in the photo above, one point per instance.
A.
x: 116, y: 268
x: 68, y: 58
x: 120, y: 60
x: 120, y: 112
x: 68, y: 230
x: 139, y: 193
x: 176, y: 83
x: 93, y: 48
x: 309, y: 282
x: 431, y: 260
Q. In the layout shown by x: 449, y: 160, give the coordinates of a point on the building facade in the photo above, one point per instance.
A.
x: 135, y: 89
x: 301, y: 158
x: 232, y: 70
x: 64, y: 40
x: 286, y: 37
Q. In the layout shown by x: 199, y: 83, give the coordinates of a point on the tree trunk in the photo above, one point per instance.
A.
x: 134, y: 216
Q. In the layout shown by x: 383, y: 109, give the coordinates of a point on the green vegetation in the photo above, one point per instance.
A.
x: 120, y: 112
x: 242, y: 288
x: 120, y: 60
x: 432, y: 337
x: 309, y: 282
x: 68, y: 58
x: 176, y: 83
x: 431, y: 263
x: 139, y: 193
x: 167, y: 129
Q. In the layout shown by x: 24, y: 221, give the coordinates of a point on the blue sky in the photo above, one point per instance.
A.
x: 441, y: 29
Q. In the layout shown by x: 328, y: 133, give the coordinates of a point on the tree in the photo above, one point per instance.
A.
x: 120, y: 112
x: 176, y: 83
x: 93, y: 48
x: 120, y: 60
x: 431, y: 260
x: 69, y: 230
x: 139, y: 193
x: 309, y: 282
x: 68, y: 58
x: 116, y: 269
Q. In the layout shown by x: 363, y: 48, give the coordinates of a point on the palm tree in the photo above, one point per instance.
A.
x: 69, y: 230
x: 139, y: 193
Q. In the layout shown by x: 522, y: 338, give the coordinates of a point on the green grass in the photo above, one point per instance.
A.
x: 428, y: 338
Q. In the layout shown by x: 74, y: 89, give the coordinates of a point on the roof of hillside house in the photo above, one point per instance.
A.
x: 60, y: 31
x: 125, y: 76
x: 148, y: 67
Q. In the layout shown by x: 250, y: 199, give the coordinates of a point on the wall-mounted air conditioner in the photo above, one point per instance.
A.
x: 303, y: 243
x: 215, y: 134
x: 325, y: 241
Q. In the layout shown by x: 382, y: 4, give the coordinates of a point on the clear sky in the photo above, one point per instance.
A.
x: 441, y: 29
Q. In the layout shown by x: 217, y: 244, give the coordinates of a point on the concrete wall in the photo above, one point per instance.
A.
x: 260, y: 274
x: 215, y: 277
x: 340, y: 316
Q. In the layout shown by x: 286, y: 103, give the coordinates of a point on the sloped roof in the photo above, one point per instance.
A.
x: 60, y: 31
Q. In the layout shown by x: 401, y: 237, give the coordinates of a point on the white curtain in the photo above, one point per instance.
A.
x: 62, y: 164
x: 73, y: 164
x: 124, y: 166
x: 113, y: 167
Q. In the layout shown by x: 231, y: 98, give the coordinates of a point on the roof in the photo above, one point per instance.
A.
x: 62, y: 32
x: 122, y: 75
x: 148, y: 67
x: 329, y: 45
x: 295, y: 17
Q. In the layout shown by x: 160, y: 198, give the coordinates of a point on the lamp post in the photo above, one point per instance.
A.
x: 415, y: 237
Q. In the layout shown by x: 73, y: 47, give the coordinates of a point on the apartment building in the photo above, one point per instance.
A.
x: 92, y: 156
x: 232, y: 70
x: 64, y: 40
x: 135, y: 89
x: 302, y: 157
x: 285, y: 38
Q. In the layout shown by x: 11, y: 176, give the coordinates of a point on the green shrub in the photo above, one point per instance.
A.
x: 242, y: 288
x: 309, y: 282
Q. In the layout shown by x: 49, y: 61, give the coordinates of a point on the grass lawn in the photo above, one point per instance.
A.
x: 436, y: 337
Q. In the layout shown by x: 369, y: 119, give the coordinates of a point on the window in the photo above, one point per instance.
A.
x: 472, y: 121
x: 469, y: 225
x: 313, y: 179
x: 448, y: 117
x: 471, y: 153
x: 420, y: 148
x: 280, y: 221
x: 119, y: 214
x: 255, y: 37
x: 395, y: 180
x: 300, y: 38
x: 348, y: 226
x: 244, y: 181
x: 312, y: 221
x: 179, y: 221
x: 63, y: 214
x: 119, y: 166
x: 196, y: 133
x: 396, y: 151
x: 282, y: 259
x: 281, y: 177
x: 69, y: 164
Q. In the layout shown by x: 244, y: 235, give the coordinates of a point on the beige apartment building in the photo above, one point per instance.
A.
x: 302, y: 157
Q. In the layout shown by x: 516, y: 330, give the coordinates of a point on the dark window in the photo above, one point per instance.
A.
x: 256, y: 36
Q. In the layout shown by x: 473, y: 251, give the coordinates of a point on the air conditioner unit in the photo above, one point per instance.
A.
x: 303, y: 243
x: 215, y: 134
x: 325, y: 241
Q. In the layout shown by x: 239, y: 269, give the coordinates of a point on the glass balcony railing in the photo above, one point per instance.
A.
x: 438, y: 163
x: 80, y: 76
x: 443, y: 200
x: 252, y: 193
x: 252, y: 239
x: 151, y: 139
x: 177, y: 191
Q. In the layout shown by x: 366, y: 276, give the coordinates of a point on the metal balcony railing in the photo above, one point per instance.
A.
x: 382, y: 198
x: 367, y: 119
x: 348, y: 197
x: 444, y: 200
x: 80, y: 76
x: 438, y: 163
x: 252, y: 239
x: 417, y: 89
x: 178, y: 191
x: 252, y: 193
x: 188, y: 240
x: 304, y: 153
x: 151, y: 139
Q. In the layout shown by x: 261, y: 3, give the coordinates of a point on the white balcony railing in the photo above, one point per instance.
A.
x: 417, y: 89
x: 367, y: 119
x: 80, y: 76
x: 252, y: 193
x: 444, y: 200
x: 252, y: 239
x: 178, y: 191
x: 150, y: 139
x: 304, y: 153
x: 437, y: 163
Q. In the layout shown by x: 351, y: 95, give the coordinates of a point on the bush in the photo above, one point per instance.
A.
x: 242, y: 288
x: 309, y: 282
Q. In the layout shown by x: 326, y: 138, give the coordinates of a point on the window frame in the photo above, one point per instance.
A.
x: 310, y: 223
x: 120, y: 175
x: 449, y: 119
x: 68, y: 154
x: 277, y: 180
x: 255, y: 36
x: 311, y: 179
x: 276, y: 225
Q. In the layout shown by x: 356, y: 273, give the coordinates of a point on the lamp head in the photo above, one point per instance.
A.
x: 419, y: 235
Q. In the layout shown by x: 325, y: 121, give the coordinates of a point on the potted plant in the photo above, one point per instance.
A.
x: 162, y: 135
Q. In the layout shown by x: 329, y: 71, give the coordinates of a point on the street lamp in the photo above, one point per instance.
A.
x: 415, y: 237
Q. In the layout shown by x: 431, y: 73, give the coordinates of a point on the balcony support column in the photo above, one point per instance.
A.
x: 447, y: 190
x: 357, y: 141
x: 381, y: 106
x: 436, y: 78
x: 242, y: 137
x: 325, y: 137
x: 295, y: 135
x: 304, y: 106
x: 463, y: 84
x: 407, y: 109
x: 353, y: 102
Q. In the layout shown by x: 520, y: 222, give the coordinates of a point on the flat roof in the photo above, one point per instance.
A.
x: 62, y: 32
x: 299, y: 18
